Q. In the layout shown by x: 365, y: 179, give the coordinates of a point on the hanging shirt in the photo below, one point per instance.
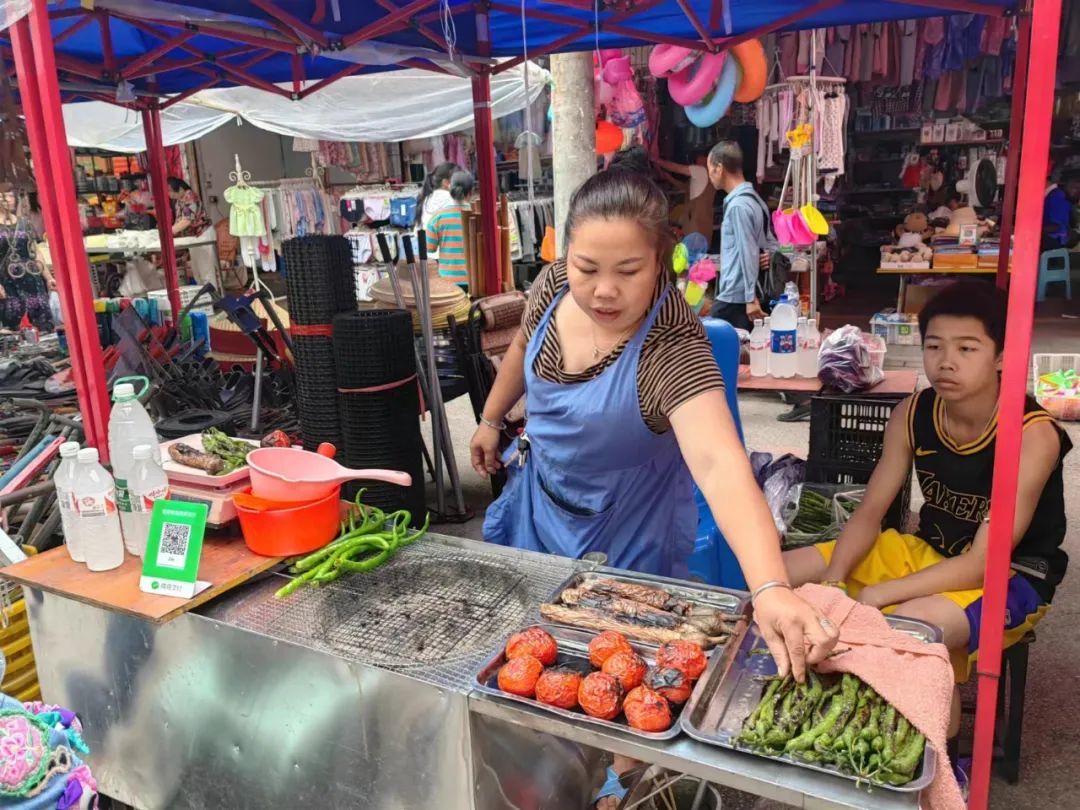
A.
x: 245, y: 213
x: 1057, y: 212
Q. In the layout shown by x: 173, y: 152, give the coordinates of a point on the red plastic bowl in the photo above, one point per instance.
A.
x: 289, y: 529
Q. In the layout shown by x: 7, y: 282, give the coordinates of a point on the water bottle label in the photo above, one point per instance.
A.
x: 96, y: 505
x: 783, y: 342
x: 123, y: 495
x: 145, y: 502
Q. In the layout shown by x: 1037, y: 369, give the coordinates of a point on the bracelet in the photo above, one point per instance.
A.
x: 834, y: 583
x: 772, y: 583
x: 492, y: 425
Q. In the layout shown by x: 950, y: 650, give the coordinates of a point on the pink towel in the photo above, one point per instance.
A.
x: 913, y: 676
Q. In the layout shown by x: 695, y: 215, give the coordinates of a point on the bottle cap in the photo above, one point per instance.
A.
x: 143, y: 452
x: 88, y: 455
x: 123, y: 392
x: 69, y: 450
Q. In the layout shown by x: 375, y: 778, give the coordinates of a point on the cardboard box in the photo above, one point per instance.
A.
x: 916, y: 297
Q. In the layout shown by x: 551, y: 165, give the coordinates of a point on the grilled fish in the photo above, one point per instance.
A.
x: 708, y: 620
x: 654, y: 597
x: 190, y: 457
x: 594, y: 619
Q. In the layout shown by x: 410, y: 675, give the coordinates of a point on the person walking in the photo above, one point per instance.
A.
x: 745, y: 241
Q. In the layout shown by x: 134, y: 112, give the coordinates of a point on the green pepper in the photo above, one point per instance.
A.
x: 907, y: 759
x: 367, y: 564
x: 851, y: 731
x: 748, y: 735
x: 805, y: 741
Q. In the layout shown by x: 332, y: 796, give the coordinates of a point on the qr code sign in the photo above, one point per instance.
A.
x: 172, y: 552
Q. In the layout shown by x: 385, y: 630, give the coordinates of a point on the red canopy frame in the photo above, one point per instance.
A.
x: 39, y: 70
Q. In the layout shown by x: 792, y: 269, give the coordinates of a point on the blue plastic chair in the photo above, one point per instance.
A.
x: 1054, y: 266
x: 713, y: 560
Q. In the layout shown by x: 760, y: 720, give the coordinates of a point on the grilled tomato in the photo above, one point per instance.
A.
x: 600, y: 696
x: 682, y: 655
x: 671, y: 683
x: 647, y: 710
x: 559, y: 687
x: 606, y: 645
x: 628, y: 667
x: 518, y: 676
x: 535, y: 642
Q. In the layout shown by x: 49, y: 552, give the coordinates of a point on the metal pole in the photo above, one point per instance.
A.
x: 488, y: 178
x: 1012, y: 168
x: 485, y: 161
x: 159, y: 185
x: 70, y: 259
x: 1035, y: 124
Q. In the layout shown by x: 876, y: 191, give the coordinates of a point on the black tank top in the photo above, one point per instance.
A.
x: 956, y: 480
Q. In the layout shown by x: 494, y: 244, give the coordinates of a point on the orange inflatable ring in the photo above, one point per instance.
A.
x: 667, y: 59
x: 755, y: 70
x: 692, y: 84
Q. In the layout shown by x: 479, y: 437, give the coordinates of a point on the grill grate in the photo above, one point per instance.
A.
x: 433, y: 612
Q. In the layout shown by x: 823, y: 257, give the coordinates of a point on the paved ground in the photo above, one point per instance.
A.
x: 1050, y: 778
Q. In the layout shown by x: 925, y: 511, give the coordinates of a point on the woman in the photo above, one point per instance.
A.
x: 625, y: 404
x: 189, y: 218
x: 435, y: 193
x: 445, y: 232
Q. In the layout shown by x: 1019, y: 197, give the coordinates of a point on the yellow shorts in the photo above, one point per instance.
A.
x: 896, y: 555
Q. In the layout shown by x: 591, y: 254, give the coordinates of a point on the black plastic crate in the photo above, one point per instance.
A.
x: 849, y: 429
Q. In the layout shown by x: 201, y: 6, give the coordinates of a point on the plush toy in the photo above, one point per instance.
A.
x: 909, y: 245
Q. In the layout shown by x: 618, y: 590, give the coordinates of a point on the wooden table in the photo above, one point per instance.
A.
x: 897, y: 382
x: 905, y: 275
x: 226, y: 562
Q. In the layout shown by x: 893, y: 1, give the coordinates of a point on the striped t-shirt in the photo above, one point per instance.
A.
x: 446, y: 234
x: 676, y: 362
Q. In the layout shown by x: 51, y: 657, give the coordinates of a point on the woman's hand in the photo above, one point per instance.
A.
x: 484, y: 450
x: 875, y: 596
x: 796, y: 633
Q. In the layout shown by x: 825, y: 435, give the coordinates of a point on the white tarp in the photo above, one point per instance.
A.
x: 395, y: 106
x: 11, y: 11
x: 99, y: 125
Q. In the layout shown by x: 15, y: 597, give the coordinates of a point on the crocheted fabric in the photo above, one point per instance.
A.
x: 24, y: 752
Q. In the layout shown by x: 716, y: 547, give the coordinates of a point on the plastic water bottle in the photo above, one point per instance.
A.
x: 783, y: 340
x: 64, y: 480
x: 148, y: 483
x: 129, y: 426
x: 98, y: 520
x: 768, y: 340
x: 791, y: 293
x: 800, y: 336
x: 759, y: 349
x: 809, y: 345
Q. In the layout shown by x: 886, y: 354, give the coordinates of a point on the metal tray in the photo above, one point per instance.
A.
x: 736, y: 603
x: 573, y: 650
x: 731, y: 687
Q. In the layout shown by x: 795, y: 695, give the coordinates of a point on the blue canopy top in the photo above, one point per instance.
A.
x: 547, y: 23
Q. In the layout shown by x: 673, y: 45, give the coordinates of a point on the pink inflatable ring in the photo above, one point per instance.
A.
x: 692, y: 84
x: 667, y: 59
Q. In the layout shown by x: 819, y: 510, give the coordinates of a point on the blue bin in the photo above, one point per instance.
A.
x: 713, y: 560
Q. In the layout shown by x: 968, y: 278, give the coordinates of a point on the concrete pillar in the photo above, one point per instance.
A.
x: 574, y: 137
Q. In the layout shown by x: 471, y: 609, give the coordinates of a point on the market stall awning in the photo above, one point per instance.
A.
x: 116, y: 48
x: 396, y: 106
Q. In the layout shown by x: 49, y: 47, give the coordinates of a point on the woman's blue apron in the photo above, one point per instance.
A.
x: 595, y: 477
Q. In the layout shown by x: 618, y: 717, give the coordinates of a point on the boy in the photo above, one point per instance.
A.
x: 949, y: 432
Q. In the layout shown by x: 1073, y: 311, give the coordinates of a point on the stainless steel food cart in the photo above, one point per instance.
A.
x: 354, y: 695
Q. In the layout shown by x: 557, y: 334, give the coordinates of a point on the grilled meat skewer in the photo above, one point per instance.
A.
x: 594, y: 619
x: 708, y: 620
